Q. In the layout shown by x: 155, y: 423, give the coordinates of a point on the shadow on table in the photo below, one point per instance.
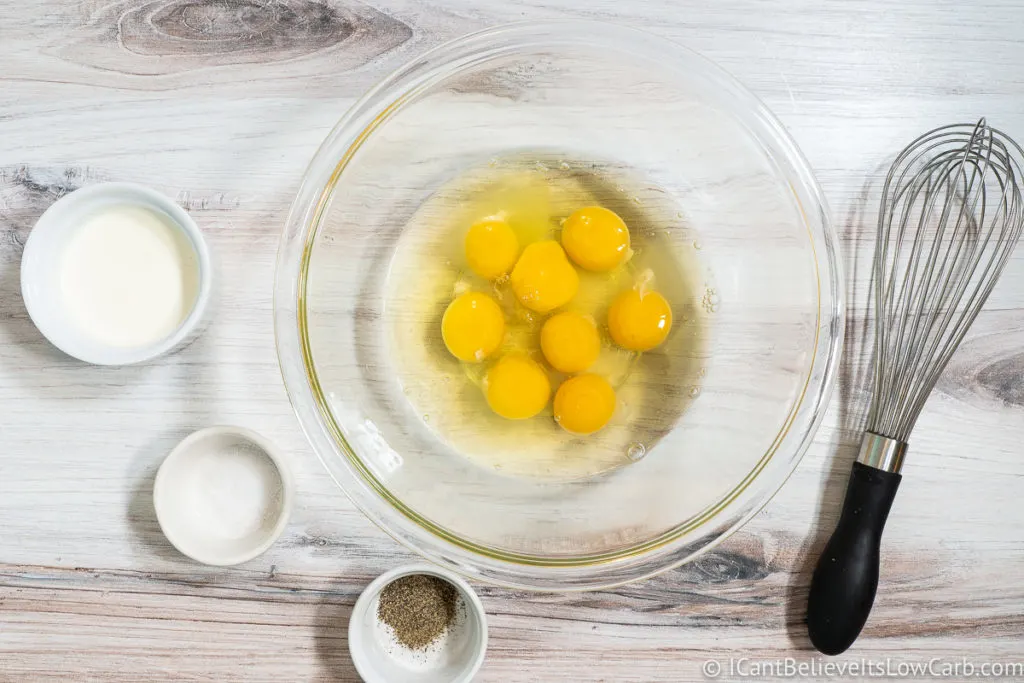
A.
x: 24, y: 196
x: 853, y: 396
x: 331, y: 634
x: 141, y: 515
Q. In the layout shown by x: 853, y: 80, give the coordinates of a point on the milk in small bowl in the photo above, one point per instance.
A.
x: 115, y: 274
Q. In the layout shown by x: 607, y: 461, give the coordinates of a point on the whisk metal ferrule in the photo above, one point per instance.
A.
x: 881, y: 452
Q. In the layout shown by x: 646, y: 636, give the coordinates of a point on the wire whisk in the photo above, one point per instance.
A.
x: 950, y: 216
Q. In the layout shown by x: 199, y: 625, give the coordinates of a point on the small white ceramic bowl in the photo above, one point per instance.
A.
x: 455, y: 658
x: 40, y: 265
x: 223, y: 495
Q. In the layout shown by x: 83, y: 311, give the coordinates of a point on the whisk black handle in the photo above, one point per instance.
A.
x: 844, y: 582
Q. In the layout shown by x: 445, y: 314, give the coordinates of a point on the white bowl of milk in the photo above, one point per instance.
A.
x: 116, y: 273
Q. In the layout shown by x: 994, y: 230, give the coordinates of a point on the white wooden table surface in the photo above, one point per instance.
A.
x: 221, y: 103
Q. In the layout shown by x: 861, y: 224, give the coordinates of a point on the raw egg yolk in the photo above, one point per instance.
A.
x: 491, y: 249
x: 473, y: 327
x: 584, y: 404
x: 517, y: 387
x: 639, y: 321
x: 570, y: 342
x: 595, y: 238
x: 543, y: 278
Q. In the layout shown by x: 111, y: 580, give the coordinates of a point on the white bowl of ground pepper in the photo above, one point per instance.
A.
x: 418, y: 624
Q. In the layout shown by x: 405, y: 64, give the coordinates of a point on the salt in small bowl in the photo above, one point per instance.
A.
x: 223, y: 495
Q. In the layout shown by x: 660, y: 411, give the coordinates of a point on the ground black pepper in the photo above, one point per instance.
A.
x: 418, y: 607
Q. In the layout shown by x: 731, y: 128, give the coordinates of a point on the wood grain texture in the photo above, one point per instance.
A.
x: 221, y: 103
x: 159, y: 38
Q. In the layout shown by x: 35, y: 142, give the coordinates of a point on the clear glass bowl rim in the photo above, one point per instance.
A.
x: 343, y: 464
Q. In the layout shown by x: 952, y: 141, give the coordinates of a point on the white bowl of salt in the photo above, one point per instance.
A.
x: 223, y: 495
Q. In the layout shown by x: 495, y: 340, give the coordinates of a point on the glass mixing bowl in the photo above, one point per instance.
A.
x: 737, y: 391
